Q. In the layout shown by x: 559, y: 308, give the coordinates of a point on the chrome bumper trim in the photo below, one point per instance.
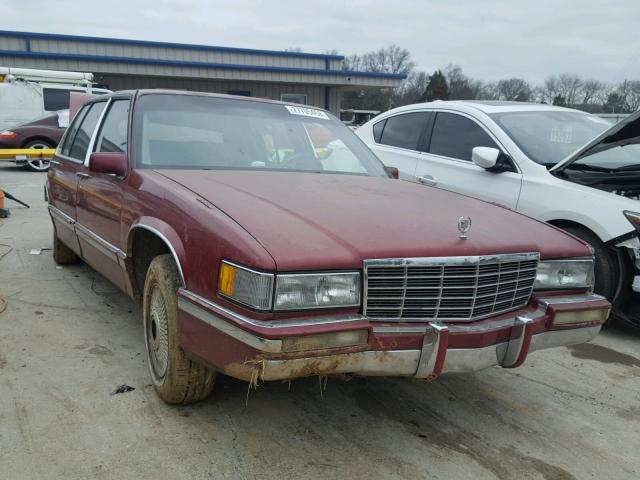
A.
x: 407, y: 362
x: 259, y: 343
x: 275, y: 324
x: 544, y: 303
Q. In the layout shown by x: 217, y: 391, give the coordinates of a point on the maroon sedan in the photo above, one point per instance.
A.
x: 44, y: 132
x: 261, y: 255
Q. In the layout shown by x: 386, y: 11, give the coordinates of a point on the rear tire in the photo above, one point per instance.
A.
x: 177, y: 379
x: 606, y: 265
x: 38, y: 164
x: 62, y: 254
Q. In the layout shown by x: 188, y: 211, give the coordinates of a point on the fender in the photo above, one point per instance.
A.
x: 168, y: 236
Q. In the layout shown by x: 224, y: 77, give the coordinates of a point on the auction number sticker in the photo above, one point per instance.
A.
x: 307, y: 112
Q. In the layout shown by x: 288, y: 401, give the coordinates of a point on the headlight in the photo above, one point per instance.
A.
x: 317, y: 290
x: 634, y: 219
x: 249, y: 287
x: 292, y: 291
x: 559, y: 274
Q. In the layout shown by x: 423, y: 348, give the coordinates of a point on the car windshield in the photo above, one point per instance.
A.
x: 200, y: 132
x: 547, y: 137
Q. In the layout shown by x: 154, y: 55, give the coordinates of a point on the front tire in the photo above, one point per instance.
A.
x: 38, y: 164
x: 606, y: 265
x: 177, y: 379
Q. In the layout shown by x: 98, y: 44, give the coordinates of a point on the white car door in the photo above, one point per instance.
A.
x: 397, y: 139
x: 446, y: 161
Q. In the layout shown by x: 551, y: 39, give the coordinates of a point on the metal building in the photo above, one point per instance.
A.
x: 313, y: 79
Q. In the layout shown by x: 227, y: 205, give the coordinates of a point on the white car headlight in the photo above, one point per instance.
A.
x: 317, y: 290
x: 248, y: 287
x: 569, y: 273
x: 302, y: 291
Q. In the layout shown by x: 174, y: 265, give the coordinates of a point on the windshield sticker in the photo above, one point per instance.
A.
x: 561, y: 134
x: 307, y: 112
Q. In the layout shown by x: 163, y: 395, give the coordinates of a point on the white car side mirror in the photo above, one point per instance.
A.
x: 485, y: 157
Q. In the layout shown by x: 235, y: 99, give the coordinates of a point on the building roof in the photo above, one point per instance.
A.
x: 141, y: 57
x: 148, y: 43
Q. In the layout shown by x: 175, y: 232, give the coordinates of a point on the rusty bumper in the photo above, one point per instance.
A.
x: 246, y: 348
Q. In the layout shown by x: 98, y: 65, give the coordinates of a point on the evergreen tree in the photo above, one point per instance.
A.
x: 437, y: 88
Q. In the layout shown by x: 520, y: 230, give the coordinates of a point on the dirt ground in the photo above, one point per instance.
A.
x: 68, y: 338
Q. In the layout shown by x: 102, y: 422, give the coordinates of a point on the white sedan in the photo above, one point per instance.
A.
x: 558, y: 165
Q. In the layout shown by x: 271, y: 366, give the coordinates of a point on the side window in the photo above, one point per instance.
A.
x: 377, y: 130
x: 455, y: 136
x: 72, y: 130
x: 85, y: 131
x: 56, y: 98
x: 404, y: 130
x: 113, y: 133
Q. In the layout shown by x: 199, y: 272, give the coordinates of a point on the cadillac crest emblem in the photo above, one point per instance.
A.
x: 464, y: 224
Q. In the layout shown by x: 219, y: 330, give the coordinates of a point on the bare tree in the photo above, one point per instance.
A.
x: 461, y: 87
x: 514, y: 89
x: 629, y: 90
x: 592, y: 90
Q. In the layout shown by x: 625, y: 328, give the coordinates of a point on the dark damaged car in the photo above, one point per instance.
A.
x: 266, y: 242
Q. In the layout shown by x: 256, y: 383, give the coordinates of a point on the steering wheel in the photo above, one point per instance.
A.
x: 301, y: 162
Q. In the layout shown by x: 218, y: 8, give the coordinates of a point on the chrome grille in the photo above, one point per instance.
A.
x: 448, y: 288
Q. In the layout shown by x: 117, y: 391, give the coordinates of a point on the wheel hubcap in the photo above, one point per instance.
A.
x: 157, y: 334
x: 38, y: 163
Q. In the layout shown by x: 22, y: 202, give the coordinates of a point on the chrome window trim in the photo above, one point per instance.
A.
x: 440, y: 261
x: 94, y: 135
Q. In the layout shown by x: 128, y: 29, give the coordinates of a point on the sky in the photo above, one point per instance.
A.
x: 489, y: 39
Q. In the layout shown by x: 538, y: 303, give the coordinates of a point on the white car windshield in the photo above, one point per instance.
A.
x: 547, y: 137
x: 202, y: 132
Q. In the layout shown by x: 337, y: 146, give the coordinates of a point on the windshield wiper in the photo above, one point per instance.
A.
x: 626, y: 168
x: 591, y: 168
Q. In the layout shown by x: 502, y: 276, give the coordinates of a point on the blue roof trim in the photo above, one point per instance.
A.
x: 147, y: 43
x: 181, y: 63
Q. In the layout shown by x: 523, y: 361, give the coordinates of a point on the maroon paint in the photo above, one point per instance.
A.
x: 287, y: 221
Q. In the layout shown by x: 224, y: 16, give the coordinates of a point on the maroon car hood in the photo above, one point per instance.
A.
x: 308, y: 220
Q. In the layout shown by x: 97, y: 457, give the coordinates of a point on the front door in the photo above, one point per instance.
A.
x: 100, y: 198
x: 446, y: 162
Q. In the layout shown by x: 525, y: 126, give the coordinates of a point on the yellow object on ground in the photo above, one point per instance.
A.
x: 24, y: 153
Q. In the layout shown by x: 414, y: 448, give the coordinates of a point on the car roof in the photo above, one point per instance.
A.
x: 487, y: 106
x: 206, y: 94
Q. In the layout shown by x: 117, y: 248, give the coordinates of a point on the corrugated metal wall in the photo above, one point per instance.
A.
x: 179, y: 54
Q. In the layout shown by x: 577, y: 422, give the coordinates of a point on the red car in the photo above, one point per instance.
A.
x: 257, y: 254
x: 44, y: 132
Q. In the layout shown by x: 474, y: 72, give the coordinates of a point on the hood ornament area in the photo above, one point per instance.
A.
x: 464, y: 224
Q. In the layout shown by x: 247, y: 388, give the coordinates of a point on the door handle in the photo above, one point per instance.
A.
x: 54, y: 162
x: 83, y: 175
x: 427, y: 180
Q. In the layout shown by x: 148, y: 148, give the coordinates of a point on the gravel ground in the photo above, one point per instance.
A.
x: 68, y: 338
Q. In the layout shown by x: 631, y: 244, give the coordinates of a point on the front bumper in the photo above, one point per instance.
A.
x: 250, y: 349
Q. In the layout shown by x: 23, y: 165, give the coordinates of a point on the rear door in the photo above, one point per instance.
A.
x: 446, y: 161
x: 67, y: 166
x: 397, y: 138
x: 99, y: 205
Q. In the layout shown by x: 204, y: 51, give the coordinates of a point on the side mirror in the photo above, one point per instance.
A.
x: 485, y: 157
x: 112, y: 163
x: 393, y: 172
